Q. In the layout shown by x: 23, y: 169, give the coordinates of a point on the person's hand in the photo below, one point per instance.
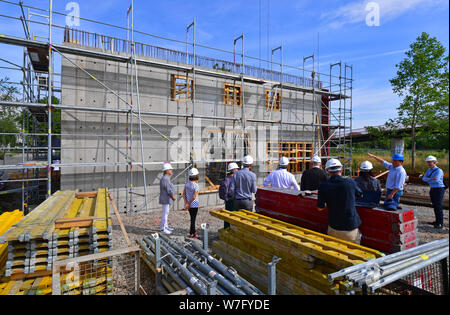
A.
x: 186, y: 207
x: 391, y: 195
x: 434, y: 178
x: 173, y: 198
x: 370, y: 155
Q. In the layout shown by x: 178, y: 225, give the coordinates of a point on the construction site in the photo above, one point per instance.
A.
x: 81, y: 188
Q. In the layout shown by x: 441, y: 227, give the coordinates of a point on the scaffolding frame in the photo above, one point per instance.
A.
x: 340, y: 89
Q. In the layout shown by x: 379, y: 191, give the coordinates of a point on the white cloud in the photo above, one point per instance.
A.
x: 355, y: 12
x: 374, y: 106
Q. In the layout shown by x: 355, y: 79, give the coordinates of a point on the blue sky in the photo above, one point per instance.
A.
x: 341, y: 25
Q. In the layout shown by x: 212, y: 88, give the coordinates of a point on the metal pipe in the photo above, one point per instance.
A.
x: 218, y: 288
x: 156, y: 247
x: 397, y: 266
x: 398, y: 275
x: 224, y: 270
x: 390, y: 258
x: 205, y: 268
x: 147, y: 247
x: 189, y: 277
x: 50, y: 94
x: 272, y: 276
x: 205, y: 227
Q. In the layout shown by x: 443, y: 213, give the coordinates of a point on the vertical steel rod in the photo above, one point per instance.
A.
x: 50, y: 64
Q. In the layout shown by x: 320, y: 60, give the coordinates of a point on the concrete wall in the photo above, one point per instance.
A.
x: 94, y: 137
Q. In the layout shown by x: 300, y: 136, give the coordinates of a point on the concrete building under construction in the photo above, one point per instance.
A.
x: 128, y: 107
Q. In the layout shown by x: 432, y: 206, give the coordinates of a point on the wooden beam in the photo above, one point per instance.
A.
x: 122, y: 227
x: 209, y: 181
x: 91, y: 194
x: 70, y: 223
x: 382, y: 174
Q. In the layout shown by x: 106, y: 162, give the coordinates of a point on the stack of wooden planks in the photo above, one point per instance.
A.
x: 307, y: 257
x: 66, y: 225
x: 387, y: 231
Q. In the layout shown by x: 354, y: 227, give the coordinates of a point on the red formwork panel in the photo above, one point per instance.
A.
x: 388, y: 231
x: 387, y: 247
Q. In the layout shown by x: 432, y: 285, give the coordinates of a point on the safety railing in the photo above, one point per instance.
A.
x: 431, y: 280
x: 114, y: 44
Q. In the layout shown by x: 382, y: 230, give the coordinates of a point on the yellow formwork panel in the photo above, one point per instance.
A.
x: 7, y: 220
x: 332, y: 250
x: 313, y: 273
x: 36, y: 232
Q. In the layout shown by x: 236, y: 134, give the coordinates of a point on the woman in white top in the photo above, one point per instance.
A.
x: 190, y: 195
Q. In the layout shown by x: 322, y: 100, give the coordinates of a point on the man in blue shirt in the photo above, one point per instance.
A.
x: 243, y: 186
x: 339, y: 194
x: 395, y: 181
x: 434, y: 176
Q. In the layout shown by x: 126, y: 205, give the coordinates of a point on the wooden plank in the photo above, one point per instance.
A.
x: 122, y: 227
x: 77, y: 222
x: 90, y: 194
x: 382, y: 174
x: 209, y: 181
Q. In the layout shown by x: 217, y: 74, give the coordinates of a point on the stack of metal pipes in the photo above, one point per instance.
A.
x: 185, y: 267
x: 380, y: 272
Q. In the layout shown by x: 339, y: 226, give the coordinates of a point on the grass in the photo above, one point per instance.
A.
x: 360, y: 155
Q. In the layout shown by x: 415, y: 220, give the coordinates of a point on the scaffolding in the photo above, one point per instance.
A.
x: 40, y: 148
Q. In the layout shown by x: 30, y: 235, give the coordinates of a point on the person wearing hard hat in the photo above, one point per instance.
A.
x: 312, y: 178
x: 224, y: 189
x: 166, y: 197
x: 365, y: 180
x: 434, y: 176
x: 243, y: 186
x: 190, y: 195
x: 281, y: 178
x: 339, y: 194
x: 395, y: 180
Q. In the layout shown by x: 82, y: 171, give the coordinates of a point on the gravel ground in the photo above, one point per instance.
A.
x: 146, y: 224
x: 421, y: 190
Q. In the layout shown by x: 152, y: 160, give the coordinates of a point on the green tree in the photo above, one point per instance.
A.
x: 56, y: 115
x: 8, y: 115
x: 422, y: 80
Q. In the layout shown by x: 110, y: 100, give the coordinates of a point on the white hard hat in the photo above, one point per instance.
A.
x: 333, y: 165
x: 193, y: 172
x: 232, y: 166
x: 167, y: 167
x: 248, y: 160
x: 366, y: 166
x: 431, y: 159
x: 316, y: 159
x: 284, y: 161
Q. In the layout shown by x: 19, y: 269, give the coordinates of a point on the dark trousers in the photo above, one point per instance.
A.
x: 243, y: 204
x: 229, y: 206
x: 437, y: 195
x: 193, y: 213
